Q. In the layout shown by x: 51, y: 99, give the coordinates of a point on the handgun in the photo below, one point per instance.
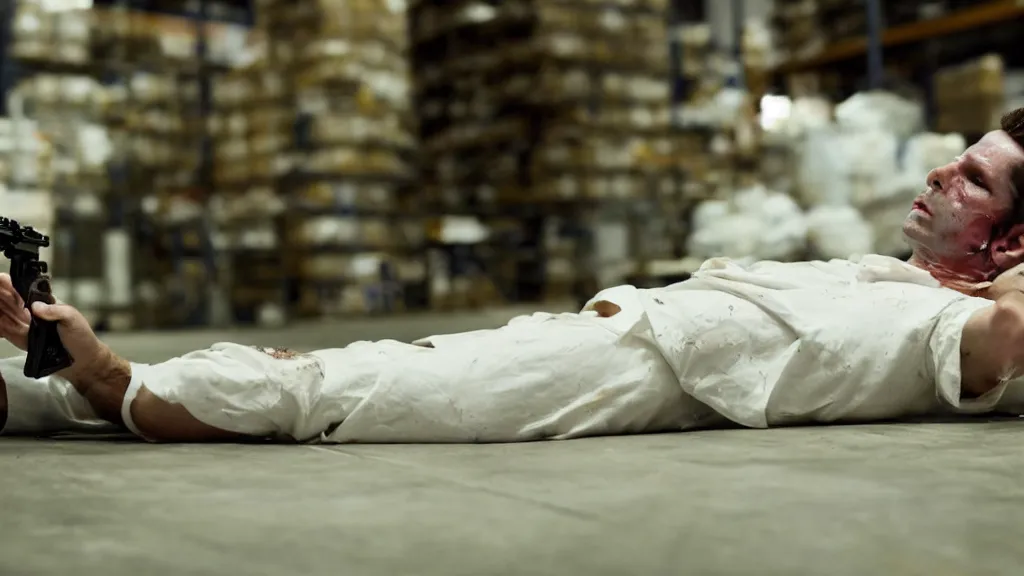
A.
x: 46, y: 353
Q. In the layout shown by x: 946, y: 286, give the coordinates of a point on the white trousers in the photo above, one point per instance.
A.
x: 540, y: 377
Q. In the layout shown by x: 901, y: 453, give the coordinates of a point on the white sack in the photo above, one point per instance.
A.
x: 838, y: 232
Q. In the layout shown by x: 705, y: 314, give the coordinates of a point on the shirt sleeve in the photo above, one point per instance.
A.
x: 944, y: 350
x: 45, y: 405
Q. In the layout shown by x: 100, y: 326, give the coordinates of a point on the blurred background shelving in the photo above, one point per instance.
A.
x: 216, y: 162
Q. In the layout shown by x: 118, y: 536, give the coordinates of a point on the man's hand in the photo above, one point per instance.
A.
x: 1009, y: 282
x: 75, y: 333
x: 14, y: 317
x: 85, y: 348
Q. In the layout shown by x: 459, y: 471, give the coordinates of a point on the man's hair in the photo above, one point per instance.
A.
x: 1013, y: 124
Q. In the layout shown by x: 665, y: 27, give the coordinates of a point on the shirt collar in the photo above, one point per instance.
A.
x: 878, y: 268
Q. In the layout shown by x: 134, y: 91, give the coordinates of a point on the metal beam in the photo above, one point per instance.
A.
x: 876, y: 67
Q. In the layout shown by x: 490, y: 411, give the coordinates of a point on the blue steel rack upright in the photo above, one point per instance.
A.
x: 6, y: 30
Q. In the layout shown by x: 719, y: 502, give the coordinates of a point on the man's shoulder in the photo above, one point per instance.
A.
x: 871, y: 268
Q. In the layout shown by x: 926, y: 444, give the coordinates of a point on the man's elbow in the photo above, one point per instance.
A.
x: 992, y: 349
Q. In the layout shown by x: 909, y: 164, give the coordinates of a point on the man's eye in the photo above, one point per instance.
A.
x: 978, y: 182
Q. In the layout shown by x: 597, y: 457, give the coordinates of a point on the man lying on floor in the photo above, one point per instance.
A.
x: 764, y: 345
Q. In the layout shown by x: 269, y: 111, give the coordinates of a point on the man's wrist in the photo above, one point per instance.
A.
x: 103, y: 382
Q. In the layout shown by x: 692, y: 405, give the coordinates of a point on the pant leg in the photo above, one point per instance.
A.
x: 540, y: 377
x: 543, y: 377
x: 45, y: 405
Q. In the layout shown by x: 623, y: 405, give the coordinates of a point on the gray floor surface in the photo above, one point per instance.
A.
x: 887, y: 499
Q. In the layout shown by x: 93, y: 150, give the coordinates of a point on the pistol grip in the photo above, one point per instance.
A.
x: 46, y: 353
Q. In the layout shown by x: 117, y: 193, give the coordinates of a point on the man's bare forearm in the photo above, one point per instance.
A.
x: 103, y: 381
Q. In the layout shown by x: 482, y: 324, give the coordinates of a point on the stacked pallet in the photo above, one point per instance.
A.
x: 535, y: 114
x: 971, y: 97
x: 117, y: 91
x: 252, y: 134
x: 67, y: 107
x: 353, y: 241
x: 803, y: 28
x: 27, y: 178
x: 69, y: 110
x: 900, y: 12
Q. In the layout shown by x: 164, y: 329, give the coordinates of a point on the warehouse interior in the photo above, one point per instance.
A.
x: 310, y: 173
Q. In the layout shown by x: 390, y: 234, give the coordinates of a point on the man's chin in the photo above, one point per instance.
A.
x: 914, y: 231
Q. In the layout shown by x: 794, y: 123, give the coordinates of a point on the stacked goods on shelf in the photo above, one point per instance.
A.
x: 41, y: 34
x: 165, y: 169
x: 69, y: 110
x: 798, y: 28
x: 252, y: 133
x: 129, y: 150
x: 353, y: 241
x: 804, y: 28
x: 166, y: 41
x: 157, y: 173
x: 900, y: 12
x: 758, y: 56
x: 534, y: 115
x: 971, y: 97
x: 27, y: 178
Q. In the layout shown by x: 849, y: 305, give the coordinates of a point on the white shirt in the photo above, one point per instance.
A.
x: 772, y: 343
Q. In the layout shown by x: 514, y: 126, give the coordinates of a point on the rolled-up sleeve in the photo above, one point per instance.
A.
x: 45, y: 405
x: 944, y: 350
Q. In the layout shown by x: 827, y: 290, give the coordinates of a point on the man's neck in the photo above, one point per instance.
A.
x: 961, y: 276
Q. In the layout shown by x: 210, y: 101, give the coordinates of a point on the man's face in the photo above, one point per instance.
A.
x: 954, y: 224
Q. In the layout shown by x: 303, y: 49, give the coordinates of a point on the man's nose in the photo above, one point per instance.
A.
x: 938, y: 179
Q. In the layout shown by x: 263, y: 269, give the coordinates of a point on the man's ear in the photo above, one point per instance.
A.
x: 1008, y: 249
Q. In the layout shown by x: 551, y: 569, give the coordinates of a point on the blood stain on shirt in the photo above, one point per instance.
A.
x: 279, y: 353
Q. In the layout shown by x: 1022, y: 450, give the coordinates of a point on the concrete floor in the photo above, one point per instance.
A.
x: 888, y: 499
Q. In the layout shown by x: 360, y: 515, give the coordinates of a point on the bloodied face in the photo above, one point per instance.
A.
x: 965, y: 225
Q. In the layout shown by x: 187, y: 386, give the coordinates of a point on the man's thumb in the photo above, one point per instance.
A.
x: 55, y: 312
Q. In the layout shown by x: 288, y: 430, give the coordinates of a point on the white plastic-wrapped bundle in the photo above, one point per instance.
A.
x: 784, y: 235
x: 838, y: 232
x: 880, y: 111
x: 759, y: 224
x: 807, y: 115
x: 925, y: 151
x: 886, y: 217
x: 821, y: 169
x: 839, y: 168
x: 709, y: 212
x: 733, y: 236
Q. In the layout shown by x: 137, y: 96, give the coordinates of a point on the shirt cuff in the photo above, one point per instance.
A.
x: 945, y: 353
x: 138, y: 375
x: 45, y: 405
x: 25, y: 400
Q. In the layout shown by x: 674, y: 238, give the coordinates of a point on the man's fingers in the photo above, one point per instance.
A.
x: 13, y: 331
x: 7, y: 289
x: 12, y: 328
x: 11, y: 296
x: 8, y: 308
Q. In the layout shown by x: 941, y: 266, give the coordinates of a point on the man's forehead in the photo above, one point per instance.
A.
x: 997, y: 142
